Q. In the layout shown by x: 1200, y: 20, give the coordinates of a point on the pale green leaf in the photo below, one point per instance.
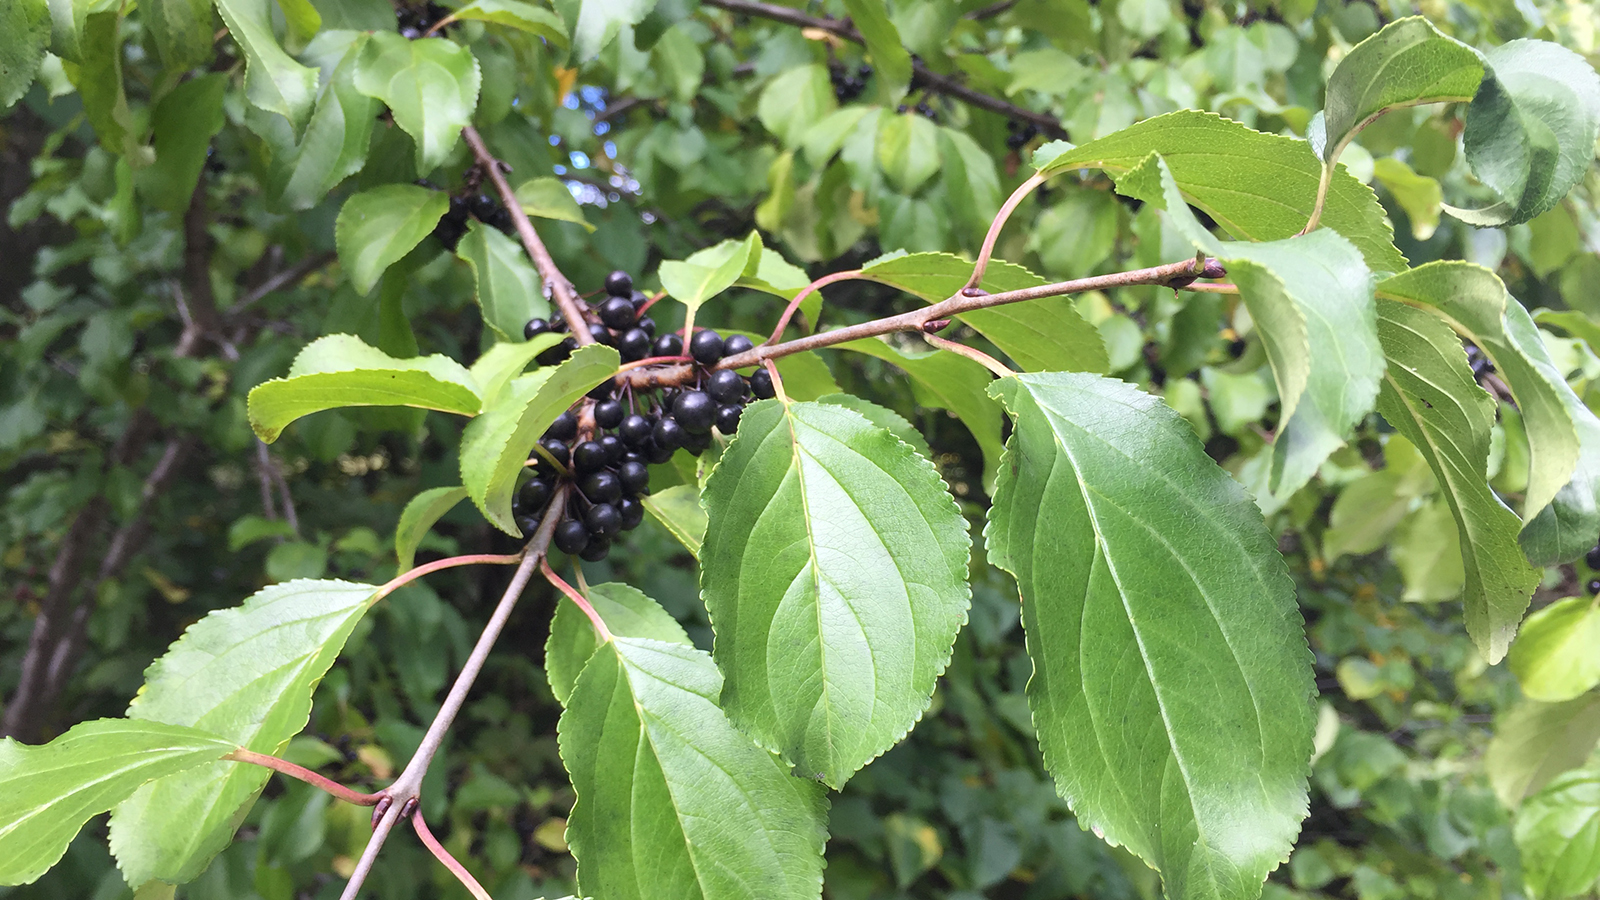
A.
x: 627, y: 613
x: 796, y: 100
x: 48, y: 792
x: 545, y: 23
x: 1368, y: 508
x: 1554, y: 657
x: 1172, y: 684
x: 678, y: 508
x: 341, y: 370
x: 672, y: 800
x: 1430, y: 397
x: 884, y: 418
x: 774, y: 275
x: 548, y: 198
x: 1535, y: 742
x: 246, y: 674
x: 1428, y: 553
x: 890, y: 60
x: 430, y: 85
x: 506, y: 285
x: 493, y: 370
x: 709, y: 272
x: 24, y: 37
x: 836, y: 581
x: 1420, y: 196
x: 183, y: 122
x: 598, y: 21
x: 419, y: 515
x: 496, y: 444
x: 335, y: 143
x: 376, y: 228
x: 908, y: 150
x: 98, y: 78
x: 1407, y: 63
x: 273, y: 80
x: 1558, y: 832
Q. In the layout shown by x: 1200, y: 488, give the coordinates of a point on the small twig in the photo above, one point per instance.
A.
x: 577, y: 598
x: 450, y: 862
x: 269, y: 508
x: 475, y: 559
x: 278, y: 282
x: 561, y: 290
x: 289, y: 515
x: 993, y: 235
x: 285, y: 767
x: 972, y: 353
x: 788, y: 312
x: 993, y: 9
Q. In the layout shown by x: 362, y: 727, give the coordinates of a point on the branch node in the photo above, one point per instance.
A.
x: 379, y: 810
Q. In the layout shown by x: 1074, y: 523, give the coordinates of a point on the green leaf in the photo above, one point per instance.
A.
x: 1572, y: 322
x: 273, y: 80
x: 627, y: 613
x: 24, y: 37
x: 884, y: 418
x: 1430, y: 397
x: 47, y: 793
x: 836, y: 582
x: 672, y: 800
x: 1420, y: 196
x: 1407, y: 63
x: 507, y: 287
x: 890, y: 61
x: 908, y: 150
x: 794, y: 101
x: 777, y: 276
x: 545, y: 23
x: 302, y: 22
x: 496, y: 444
x: 506, y: 360
x: 430, y: 85
x: 598, y: 21
x: 246, y: 674
x: 335, y: 143
x: 678, y: 508
x: 98, y: 78
x: 1369, y: 508
x: 1554, y: 657
x: 419, y: 515
x: 548, y: 198
x: 1562, y: 502
x: 1258, y: 187
x: 340, y: 370
x: 709, y: 272
x: 377, y: 228
x: 1558, y: 832
x: 1535, y: 742
x: 948, y: 381
x: 184, y: 122
x: 1531, y: 129
x: 1171, y: 681
x: 1047, y: 334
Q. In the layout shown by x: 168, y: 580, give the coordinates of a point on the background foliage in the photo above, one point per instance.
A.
x: 146, y: 292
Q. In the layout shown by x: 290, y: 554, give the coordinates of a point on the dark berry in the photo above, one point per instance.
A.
x: 761, y: 385
x: 1593, y: 558
x: 1236, y: 347
x: 528, y: 524
x: 558, y: 321
x: 706, y: 347
x: 725, y: 386
x: 633, y: 456
x: 534, y: 328
x: 483, y: 207
x: 736, y: 344
x: 635, y: 477
x: 648, y: 326
x: 667, y: 345
x: 608, y: 413
x: 564, y: 428
x: 588, y: 457
x: 571, y: 537
x: 668, y: 435
x: 557, y: 449
x: 695, y: 411
x: 632, y: 512
x: 633, y: 344
x: 697, y: 443
x: 612, y: 445
x: 1594, y: 586
x: 600, y: 391
x: 410, y: 33
x: 554, y: 355
x: 535, y: 494
x: 659, y: 454
x: 500, y: 220
x: 602, y: 518
x: 602, y: 487
x: 619, y: 284
x: 603, y: 336
x: 728, y: 418
x: 599, y: 547
x: 635, y: 430
x: 639, y: 299
x: 617, y: 313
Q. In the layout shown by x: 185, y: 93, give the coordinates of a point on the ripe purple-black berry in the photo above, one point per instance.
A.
x: 1593, y: 558
x: 695, y: 411
x: 612, y: 445
x: 599, y: 546
x: 608, y: 413
x: 635, y: 430
x: 564, y: 428
x: 534, y: 328
x: 602, y: 487
x: 648, y: 326
x: 557, y: 448
x: 632, y: 513
x: 697, y: 443
x: 619, y: 284
x: 1594, y: 586
x: 736, y: 344
x: 667, y: 345
x: 602, y: 518
x: 761, y: 385
x: 706, y: 347
x: 528, y: 524
x: 633, y: 344
x: 617, y: 313
x: 588, y: 457
x: 668, y: 435
x: 728, y: 418
x: 535, y: 494
x: 658, y: 453
x: 635, y: 477
x: 725, y: 386
x: 571, y: 537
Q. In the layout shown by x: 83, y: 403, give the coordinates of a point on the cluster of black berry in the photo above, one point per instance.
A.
x: 1479, y: 362
x: 847, y: 86
x: 1021, y: 134
x: 923, y: 109
x: 482, y: 207
x: 415, y: 20
x: 607, y: 447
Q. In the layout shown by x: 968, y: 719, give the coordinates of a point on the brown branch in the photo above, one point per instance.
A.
x: 555, y: 283
x: 921, y: 75
x: 278, y: 282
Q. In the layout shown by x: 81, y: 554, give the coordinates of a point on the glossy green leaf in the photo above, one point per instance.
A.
x: 24, y: 37
x: 376, y: 228
x: 709, y: 272
x: 1562, y: 502
x: 246, y: 674
x: 890, y: 61
x: 1408, y: 62
x: 273, y: 80
x: 1558, y: 832
x: 836, y: 581
x: 1172, y: 683
x: 884, y: 418
x: 336, y: 139
x: 496, y: 444
x: 341, y: 370
x: 548, y: 198
x: 1554, y: 657
x: 678, y: 508
x: 672, y: 800
x: 98, y: 78
x: 1259, y: 187
x: 507, y: 287
x: 1535, y: 742
x: 184, y: 122
x: 1531, y: 129
x: 419, y: 515
x: 948, y: 381
x: 627, y: 613
x: 598, y: 21
x: 1430, y: 396
x: 775, y: 275
x: 1046, y: 334
x: 48, y: 792
x: 430, y: 86
x: 908, y: 150
x: 493, y: 370
x: 544, y: 23
x: 796, y: 100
